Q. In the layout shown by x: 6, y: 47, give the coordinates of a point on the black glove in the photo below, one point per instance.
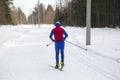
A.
x: 53, y: 40
x: 64, y: 38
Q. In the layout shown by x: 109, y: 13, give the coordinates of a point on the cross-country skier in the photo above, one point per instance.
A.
x: 59, y: 37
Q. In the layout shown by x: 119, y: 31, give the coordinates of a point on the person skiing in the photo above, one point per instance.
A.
x: 59, y: 37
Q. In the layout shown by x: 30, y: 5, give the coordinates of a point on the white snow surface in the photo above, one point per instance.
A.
x: 25, y: 56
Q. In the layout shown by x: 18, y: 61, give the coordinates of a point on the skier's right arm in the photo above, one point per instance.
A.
x: 50, y: 36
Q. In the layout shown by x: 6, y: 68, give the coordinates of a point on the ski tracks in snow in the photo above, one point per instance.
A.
x: 104, y: 56
x: 97, y: 64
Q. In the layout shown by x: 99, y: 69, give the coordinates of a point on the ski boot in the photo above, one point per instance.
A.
x: 62, y: 64
x: 57, y: 66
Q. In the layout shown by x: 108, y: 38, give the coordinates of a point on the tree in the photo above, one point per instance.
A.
x: 49, y: 15
x: 18, y: 17
x: 63, y: 12
x: 5, y: 10
x: 79, y: 12
x: 45, y: 16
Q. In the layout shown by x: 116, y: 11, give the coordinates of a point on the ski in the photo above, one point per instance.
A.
x: 60, y: 69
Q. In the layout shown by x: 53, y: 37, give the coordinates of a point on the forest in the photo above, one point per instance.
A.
x: 104, y: 13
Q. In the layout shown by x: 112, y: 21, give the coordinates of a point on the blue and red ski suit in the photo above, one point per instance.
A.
x: 59, y: 36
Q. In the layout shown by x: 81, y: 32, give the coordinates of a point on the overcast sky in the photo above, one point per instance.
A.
x: 28, y: 5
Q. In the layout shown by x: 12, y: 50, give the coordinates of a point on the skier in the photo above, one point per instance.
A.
x: 59, y: 37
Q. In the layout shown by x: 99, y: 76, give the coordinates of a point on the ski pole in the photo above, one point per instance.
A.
x: 76, y: 45
x: 49, y: 43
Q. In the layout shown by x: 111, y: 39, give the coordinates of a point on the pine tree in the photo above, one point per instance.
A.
x: 5, y: 10
x: 79, y: 12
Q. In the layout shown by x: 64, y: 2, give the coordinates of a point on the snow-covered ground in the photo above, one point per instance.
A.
x: 25, y: 56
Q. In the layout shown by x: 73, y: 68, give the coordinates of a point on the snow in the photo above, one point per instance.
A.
x: 25, y: 56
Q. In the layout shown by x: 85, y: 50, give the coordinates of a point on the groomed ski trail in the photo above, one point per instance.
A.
x: 30, y: 61
x: 95, y: 62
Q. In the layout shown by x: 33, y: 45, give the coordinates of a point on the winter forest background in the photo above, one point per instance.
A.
x: 105, y: 13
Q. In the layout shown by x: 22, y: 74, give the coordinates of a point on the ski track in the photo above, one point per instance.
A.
x: 106, y: 57
x: 94, y: 66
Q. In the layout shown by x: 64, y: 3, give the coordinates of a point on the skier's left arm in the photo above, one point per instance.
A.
x: 66, y: 35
